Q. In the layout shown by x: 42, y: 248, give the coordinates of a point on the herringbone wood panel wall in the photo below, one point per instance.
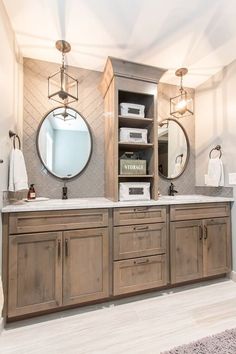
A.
x: 36, y: 105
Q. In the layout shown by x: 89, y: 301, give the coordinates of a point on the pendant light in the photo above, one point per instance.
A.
x: 181, y: 105
x: 65, y: 115
x: 62, y: 87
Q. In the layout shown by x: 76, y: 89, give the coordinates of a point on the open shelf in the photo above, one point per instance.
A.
x: 134, y: 122
x: 135, y: 146
x: 135, y: 176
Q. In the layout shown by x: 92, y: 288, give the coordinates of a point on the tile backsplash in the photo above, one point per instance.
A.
x: 36, y: 104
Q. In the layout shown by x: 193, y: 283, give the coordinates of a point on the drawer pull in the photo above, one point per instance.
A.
x: 205, y: 229
x: 66, y: 247
x: 140, y: 210
x: 59, y: 248
x: 140, y: 228
x: 201, y: 232
x: 142, y: 262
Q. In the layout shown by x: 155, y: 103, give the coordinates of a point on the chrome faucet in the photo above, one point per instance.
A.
x: 172, y: 190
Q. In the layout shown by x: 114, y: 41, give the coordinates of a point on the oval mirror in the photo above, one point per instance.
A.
x: 173, y: 149
x: 64, y: 142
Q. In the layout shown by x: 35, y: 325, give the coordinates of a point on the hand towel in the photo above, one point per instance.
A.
x: 18, y: 179
x: 215, y: 175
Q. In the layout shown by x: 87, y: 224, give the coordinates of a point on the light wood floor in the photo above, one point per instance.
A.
x: 147, y: 324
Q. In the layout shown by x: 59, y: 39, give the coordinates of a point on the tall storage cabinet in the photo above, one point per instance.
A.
x: 127, y: 82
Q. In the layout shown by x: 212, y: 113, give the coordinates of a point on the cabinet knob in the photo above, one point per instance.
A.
x: 1, y: 161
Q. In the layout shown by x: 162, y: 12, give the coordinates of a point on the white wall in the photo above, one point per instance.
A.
x: 11, y: 93
x: 215, y: 114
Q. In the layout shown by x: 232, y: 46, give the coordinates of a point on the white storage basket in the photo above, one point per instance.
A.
x: 132, y: 110
x: 133, y: 135
x: 134, y: 191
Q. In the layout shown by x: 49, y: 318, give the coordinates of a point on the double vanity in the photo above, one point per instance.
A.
x: 63, y: 253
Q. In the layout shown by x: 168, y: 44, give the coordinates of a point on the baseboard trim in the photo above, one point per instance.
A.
x: 232, y: 275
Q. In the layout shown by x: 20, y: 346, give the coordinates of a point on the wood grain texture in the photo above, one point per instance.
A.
x: 35, y: 268
x: 86, y: 265
x: 118, y: 88
x: 139, y: 274
x: 186, y: 251
x: 57, y: 220
x: 127, y: 69
x: 217, y: 246
x: 199, y: 211
x: 111, y: 139
x: 139, y: 215
x: 139, y: 240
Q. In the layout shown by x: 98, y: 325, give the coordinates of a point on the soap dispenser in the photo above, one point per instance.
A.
x: 31, y: 192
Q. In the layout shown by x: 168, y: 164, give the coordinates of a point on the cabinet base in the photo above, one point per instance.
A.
x: 149, y: 293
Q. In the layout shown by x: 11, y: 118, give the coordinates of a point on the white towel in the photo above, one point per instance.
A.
x: 215, y: 175
x: 18, y: 179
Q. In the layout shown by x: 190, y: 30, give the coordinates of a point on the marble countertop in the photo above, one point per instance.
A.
x: 93, y: 203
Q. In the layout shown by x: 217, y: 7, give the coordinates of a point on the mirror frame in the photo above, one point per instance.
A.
x: 188, y: 150
x: 40, y: 157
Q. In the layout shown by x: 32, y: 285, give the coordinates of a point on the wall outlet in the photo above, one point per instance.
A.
x: 232, y: 178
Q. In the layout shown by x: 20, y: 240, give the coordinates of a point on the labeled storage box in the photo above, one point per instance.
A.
x: 133, y: 135
x: 133, y: 167
x: 132, y: 110
x: 134, y: 191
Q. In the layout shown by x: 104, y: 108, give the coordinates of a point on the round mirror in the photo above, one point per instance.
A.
x: 173, y: 149
x: 64, y: 142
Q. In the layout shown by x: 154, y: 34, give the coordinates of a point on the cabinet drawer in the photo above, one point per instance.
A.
x: 139, y: 215
x: 199, y: 211
x: 57, y: 220
x: 139, y: 274
x: 139, y: 240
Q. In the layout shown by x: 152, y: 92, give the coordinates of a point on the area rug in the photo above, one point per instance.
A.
x: 222, y: 343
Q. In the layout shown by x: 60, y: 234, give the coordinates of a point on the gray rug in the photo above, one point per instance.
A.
x: 222, y: 343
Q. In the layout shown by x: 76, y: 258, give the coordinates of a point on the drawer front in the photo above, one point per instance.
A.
x: 139, y: 240
x: 199, y: 211
x: 139, y: 215
x: 139, y: 274
x: 57, y: 220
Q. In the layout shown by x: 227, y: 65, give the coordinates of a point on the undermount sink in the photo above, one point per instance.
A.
x: 181, y: 197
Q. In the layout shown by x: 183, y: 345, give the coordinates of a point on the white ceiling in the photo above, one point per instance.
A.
x: 198, y: 34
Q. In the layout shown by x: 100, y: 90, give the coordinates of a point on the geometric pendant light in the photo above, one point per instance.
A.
x: 181, y: 105
x: 62, y: 87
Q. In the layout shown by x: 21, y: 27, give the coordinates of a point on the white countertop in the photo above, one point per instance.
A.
x: 93, y: 203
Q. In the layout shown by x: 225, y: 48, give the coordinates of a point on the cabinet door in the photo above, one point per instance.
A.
x: 35, y: 273
x: 186, y: 250
x: 85, y: 271
x: 217, y: 249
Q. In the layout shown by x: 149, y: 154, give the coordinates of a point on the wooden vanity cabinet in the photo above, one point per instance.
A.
x: 52, y: 269
x: 35, y: 268
x: 140, y: 249
x: 85, y: 265
x: 200, y: 248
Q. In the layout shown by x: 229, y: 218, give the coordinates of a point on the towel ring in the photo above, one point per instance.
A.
x: 218, y: 148
x: 15, y: 136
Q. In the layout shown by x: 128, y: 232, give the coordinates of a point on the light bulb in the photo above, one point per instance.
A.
x: 181, y: 106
